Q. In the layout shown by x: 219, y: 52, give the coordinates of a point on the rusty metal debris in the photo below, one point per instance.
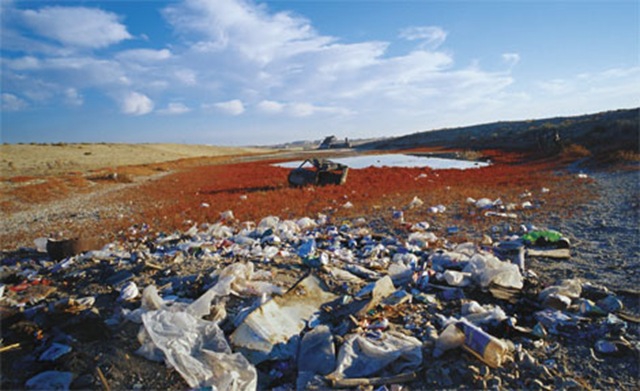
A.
x: 321, y: 172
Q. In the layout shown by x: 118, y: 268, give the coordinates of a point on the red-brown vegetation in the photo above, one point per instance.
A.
x: 198, y: 193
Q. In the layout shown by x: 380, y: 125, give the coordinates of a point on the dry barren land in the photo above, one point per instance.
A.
x: 60, y: 158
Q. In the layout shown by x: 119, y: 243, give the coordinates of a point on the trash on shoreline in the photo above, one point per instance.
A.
x: 312, y: 302
x: 196, y: 348
x: 272, y: 331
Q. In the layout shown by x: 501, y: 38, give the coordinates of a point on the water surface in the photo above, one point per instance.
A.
x: 398, y: 160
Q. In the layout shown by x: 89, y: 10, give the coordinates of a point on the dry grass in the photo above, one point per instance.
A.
x: 61, y: 158
x: 574, y: 152
x: 111, y: 177
x: 626, y: 156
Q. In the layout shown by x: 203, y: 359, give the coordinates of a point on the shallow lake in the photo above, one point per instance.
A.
x: 398, y: 160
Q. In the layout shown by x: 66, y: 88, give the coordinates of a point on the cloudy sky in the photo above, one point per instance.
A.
x: 250, y: 72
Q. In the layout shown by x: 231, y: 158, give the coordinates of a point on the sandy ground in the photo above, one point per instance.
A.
x: 54, y: 159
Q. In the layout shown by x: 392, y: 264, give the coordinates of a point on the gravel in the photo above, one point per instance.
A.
x: 605, y: 233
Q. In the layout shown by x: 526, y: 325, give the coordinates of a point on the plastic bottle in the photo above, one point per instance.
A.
x: 456, y: 278
x: 307, y: 248
x: 485, y: 347
x: 519, y: 261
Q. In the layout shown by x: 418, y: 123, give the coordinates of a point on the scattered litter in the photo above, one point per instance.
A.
x: 215, y: 310
x: 363, y: 355
x: 196, y: 348
x: 129, y: 291
x: 50, y: 380
x: 317, y: 351
x: 272, y: 331
x: 54, y: 352
x: 437, y: 209
x: 415, y: 203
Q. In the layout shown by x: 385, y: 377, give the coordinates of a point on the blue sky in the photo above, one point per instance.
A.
x: 246, y: 72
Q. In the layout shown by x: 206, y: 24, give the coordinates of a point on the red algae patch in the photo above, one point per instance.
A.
x: 198, y: 191
x: 257, y: 189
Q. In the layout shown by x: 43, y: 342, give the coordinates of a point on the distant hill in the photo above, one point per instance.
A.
x: 599, y: 133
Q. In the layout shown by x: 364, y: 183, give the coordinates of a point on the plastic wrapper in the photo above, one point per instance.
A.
x: 50, y: 380
x: 129, y: 291
x: 422, y: 239
x: 54, y: 352
x: 478, y: 314
x: 415, y: 203
x: 269, y: 222
x: 487, y: 269
x: 317, y: 351
x: 196, y: 348
x: 239, y: 277
x: 363, y: 356
x: 570, y: 288
x: 272, y: 331
x: 442, y: 259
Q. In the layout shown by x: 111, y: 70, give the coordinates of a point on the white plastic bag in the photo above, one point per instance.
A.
x: 362, y: 356
x: 196, y: 348
x: 487, y: 269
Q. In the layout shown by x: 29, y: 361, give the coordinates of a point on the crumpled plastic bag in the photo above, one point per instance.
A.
x: 362, y: 356
x: 241, y: 280
x: 196, y: 348
x: 482, y: 314
x: 488, y: 269
x: 571, y: 288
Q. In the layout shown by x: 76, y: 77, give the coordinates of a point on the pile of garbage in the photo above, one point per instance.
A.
x: 309, y: 304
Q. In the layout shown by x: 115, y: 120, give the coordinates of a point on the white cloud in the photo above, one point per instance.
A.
x: 135, y: 103
x: 77, y: 26
x: 83, y: 71
x: 511, y: 59
x: 186, y: 76
x: 270, y: 107
x: 303, y: 109
x: 299, y: 109
x: 175, y: 108
x: 556, y: 86
x: 239, y: 47
x: 275, y: 62
x: 11, y: 102
x: 144, y: 55
x: 73, y: 97
x: 232, y: 107
x: 589, y: 92
x: 249, y: 29
x: 431, y: 36
x: 23, y: 63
